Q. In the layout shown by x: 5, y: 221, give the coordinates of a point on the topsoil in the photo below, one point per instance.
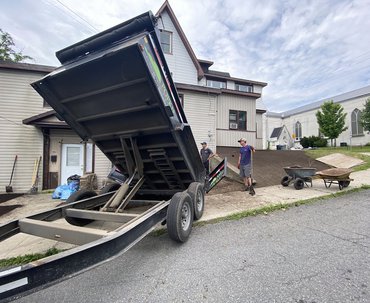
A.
x: 268, y: 167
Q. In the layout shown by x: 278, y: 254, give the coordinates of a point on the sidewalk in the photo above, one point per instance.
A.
x: 217, y: 206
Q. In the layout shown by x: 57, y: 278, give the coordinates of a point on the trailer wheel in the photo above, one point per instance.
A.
x: 285, y: 181
x: 298, y: 184
x: 180, y: 215
x: 77, y: 196
x: 196, y: 193
x: 109, y: 188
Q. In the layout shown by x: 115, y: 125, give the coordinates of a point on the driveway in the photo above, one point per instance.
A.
x: 314, y: 253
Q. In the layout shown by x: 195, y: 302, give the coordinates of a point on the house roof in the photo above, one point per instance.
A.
x: 166, y: 7
x: 276, y: 132
x: 315, y: 105
x: 45, y: 120
x: 26, y: 66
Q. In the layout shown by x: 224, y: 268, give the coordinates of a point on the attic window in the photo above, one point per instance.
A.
x: 244, y: 88
x: 216, y: 84
x: 166, y: 41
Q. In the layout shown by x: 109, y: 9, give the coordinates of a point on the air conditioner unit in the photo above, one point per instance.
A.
x: 233, y: 125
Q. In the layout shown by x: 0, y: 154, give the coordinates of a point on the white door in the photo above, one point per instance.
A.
x: 72, y: 161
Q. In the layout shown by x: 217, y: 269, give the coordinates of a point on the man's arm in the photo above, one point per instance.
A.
x: 211, y: 154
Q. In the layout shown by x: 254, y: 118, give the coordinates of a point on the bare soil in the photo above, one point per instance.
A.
x: 268, y: 167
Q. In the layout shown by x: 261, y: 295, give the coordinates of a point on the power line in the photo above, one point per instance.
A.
x: 74, y: 15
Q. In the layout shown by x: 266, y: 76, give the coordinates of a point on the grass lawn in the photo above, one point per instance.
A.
x: 349, y: 151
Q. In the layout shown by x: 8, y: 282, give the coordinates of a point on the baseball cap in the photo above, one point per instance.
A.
x: 242, y: 139
x: 204, y: 142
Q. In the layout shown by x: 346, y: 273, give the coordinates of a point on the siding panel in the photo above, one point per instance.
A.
x: 179, y: 62
x: 200, y: 110
x: 226, y: 102
x: 19, y: 101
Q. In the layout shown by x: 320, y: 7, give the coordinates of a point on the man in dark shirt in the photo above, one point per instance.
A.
x: 244, y: 163
x: 206, y: 154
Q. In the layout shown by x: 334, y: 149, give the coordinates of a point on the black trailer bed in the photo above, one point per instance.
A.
x: 122, y: 97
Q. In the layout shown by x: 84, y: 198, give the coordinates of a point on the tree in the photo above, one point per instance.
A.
x: 331, y: 120
x: 7, y: 53
x: 365, y: 116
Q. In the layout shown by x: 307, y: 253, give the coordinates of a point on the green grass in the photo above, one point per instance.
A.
x: 20, y: 260
x: 349, y: 151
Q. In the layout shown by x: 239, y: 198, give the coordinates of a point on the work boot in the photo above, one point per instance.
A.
x: 247, y: 188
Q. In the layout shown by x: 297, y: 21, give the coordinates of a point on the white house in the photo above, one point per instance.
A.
x: 301, y: 121
x: 220, y: 109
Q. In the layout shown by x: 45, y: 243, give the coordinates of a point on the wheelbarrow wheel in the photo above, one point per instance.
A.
x: 341, y: 185
x: 298, y: 184
x: 285, y: 181
x: 346, y: 183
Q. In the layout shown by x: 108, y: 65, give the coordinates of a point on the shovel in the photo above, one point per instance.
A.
x: 9, y: 188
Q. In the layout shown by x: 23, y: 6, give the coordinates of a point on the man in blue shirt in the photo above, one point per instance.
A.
x: 244, y: 163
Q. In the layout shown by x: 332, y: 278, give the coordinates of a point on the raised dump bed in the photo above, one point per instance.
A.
x: 115, y: 89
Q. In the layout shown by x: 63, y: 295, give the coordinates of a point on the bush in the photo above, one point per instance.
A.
x: 313, y: 141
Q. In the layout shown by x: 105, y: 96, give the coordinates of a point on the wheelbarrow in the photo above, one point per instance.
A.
x: 300, y: 176
x: 338, y: 176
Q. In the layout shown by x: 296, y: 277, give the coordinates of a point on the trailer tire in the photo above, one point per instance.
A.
x: 77, y: 196
x: 109, y: 188
x: 285, y: 181
x: 180, y: 214
x: 298, y: 184
x: 196, y: 193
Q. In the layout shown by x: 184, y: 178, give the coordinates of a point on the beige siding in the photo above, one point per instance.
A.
x: 226, y: 102
x: 200, y: 111
x: 19, y: 101
x: 180, y: 64
x: 102, y: 166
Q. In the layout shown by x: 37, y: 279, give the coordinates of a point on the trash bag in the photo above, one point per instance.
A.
x: 73, y: 178
x: 74, y: 185
x: 58, y: 191
x: 65, y: 194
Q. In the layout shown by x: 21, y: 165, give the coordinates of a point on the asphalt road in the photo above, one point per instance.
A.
x: 313, y: 253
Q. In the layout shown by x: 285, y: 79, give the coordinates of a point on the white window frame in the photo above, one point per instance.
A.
x: 216, y: 84
x: 356, y: 126
x: 162, y: 32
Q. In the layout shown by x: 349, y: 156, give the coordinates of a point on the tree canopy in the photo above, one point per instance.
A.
x: 7, y: 52
x: 331, y: 120
x: 365, y: 115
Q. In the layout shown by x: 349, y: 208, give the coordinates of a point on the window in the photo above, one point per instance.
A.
x: 357, y: 129
x: 237, y: 120
x: 216, y: 84
x: 244, y: 88
x: 298, y: 130
x: 166, y: 41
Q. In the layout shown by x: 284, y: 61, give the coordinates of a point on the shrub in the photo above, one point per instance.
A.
x: 313, y: 141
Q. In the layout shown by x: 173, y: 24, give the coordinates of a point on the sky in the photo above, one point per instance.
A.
x: 305, y: 50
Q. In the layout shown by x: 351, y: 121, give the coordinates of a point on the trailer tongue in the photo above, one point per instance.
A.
x: 115, y: 89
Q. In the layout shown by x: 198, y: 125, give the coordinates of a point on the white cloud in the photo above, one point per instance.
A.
x: 306, y: 50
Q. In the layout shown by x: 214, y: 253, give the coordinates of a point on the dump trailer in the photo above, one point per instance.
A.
x: 116, y: 90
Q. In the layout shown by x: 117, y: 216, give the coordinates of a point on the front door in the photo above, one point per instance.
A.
x: 72, y: 161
